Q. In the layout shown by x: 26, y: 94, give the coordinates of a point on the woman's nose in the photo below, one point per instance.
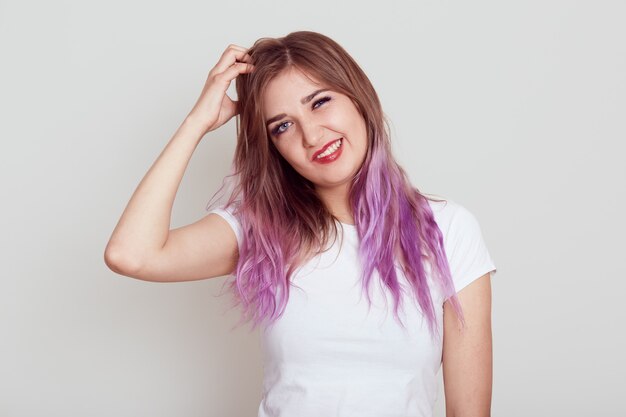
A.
x: 311, y: 134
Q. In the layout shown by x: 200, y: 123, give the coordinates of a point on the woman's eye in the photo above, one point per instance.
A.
x: 279, y: 128
x: 322, y: 100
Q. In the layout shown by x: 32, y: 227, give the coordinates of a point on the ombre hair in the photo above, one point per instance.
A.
x: 283, y: 221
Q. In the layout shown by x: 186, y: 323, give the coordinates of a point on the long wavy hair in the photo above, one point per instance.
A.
x: 284, y: 222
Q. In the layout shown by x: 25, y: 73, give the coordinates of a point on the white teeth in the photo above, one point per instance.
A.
x: 332, y: 148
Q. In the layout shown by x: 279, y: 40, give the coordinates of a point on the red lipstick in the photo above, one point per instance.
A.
x: 330, y: 157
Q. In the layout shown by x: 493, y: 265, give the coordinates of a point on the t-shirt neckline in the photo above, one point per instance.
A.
x: 346, y: 225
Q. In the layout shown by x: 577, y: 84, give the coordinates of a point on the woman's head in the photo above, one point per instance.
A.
x: 288, y: 70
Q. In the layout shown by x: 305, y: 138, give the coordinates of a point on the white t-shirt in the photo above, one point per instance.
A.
x: 326, y: 356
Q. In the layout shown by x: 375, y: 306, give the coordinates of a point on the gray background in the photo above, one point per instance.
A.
x: 515, y: 110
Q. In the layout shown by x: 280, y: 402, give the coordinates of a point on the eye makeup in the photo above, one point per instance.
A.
x: 277, y: 131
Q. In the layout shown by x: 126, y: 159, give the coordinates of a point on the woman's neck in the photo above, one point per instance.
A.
x: 337, y: 201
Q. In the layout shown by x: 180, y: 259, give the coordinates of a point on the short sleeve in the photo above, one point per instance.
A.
x: 467, y: 253
x: 228, y: 215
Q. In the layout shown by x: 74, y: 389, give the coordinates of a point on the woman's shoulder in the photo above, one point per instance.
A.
x: 465, y: 246
x: 230, y: 213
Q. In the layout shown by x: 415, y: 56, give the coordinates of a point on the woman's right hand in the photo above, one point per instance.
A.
x: 214, y: 107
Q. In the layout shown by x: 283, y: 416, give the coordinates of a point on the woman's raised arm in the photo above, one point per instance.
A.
x: 142, y: 245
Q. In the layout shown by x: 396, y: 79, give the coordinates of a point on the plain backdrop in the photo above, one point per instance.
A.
x: 513, y: 109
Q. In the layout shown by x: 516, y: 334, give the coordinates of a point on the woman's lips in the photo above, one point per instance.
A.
x: 315, y: 158
x: 332, y: 157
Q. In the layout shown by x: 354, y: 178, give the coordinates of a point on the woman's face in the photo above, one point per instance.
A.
x: 320, y: 133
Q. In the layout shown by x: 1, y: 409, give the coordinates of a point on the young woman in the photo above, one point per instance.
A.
x: 325, y: 236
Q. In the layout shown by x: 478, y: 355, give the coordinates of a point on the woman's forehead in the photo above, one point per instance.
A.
x: 287, y: 89
x: 292, y: 79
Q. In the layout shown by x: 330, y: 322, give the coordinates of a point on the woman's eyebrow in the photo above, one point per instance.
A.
x: 303, y: 101
x: 313, y: 94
